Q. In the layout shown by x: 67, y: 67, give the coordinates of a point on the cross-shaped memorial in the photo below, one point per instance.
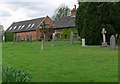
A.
x: 104, y: 43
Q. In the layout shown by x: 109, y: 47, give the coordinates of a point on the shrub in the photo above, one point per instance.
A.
x: 9, y: 37
x: 11, y: 75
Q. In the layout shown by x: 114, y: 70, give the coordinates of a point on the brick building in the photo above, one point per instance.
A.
x: 23, y: 29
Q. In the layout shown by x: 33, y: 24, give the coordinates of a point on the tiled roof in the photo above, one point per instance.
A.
x: 27, y: 25
x: 65, y: 22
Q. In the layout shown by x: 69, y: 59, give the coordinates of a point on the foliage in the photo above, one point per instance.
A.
x: 61, y: 11
x: 63, y: 62
x: 9, y: 37
x: 67, y: 32
x: 11, y: 75
x: 91, y: 17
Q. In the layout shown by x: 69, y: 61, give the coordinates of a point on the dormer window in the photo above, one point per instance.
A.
x: 10, y: 28
x: 19, y: 27
x: 22, y: 26
x: 32, y: 25
x: 28, y: 26
x: 15, y: 27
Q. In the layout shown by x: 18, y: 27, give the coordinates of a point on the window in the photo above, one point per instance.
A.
x: 22, y: 27
x: 19, y: 27
x: 10, y: 28
x: 32, y: 25
x: 15, y: 27
x: 28, y: 26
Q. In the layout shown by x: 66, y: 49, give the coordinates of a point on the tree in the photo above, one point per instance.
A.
x: 61, y: 11
x: 92, y: 17
x: 43, y: 35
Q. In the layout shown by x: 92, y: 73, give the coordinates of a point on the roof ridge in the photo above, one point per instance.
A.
x: 29, y: 20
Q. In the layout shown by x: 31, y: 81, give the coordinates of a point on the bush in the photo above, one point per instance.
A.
x: 11, y: 75
x: 9, y: 37
x: 66, y: 33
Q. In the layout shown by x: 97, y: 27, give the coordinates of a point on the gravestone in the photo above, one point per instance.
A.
x: 112, y: 42
x: 71, y: 38
x: 27, y: 37
x: 30, y: 38
x: 14, y: 38
x: 18, y: 38
x: 53, y: 39
x: 83, y: 42
x: 104, y: 43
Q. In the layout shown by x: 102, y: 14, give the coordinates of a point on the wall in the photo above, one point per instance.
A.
x: 23, y: 35
x: 38, y: 34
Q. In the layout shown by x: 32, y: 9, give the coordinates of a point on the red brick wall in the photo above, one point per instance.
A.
x: 37, y: 33
x: 24, y: 34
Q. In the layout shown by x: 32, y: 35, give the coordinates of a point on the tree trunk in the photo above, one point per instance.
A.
x: 42, y: 47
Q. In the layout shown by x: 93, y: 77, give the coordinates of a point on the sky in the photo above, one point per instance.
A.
x: 19, y: 10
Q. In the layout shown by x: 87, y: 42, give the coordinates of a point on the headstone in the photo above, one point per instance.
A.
x: 112, y: 42
x: 14, y: 38
x: 53, y: 39
x: 83, y: 42
x: 71, y: 38
x: 30, y: 38
x: 104, y: 43
x: 18, y: 38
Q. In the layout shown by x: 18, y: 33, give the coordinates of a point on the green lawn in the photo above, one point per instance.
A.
x: 63, y: 62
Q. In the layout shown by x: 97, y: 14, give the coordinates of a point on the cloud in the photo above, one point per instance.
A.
x: 5, y: 14
x: 18, y: 10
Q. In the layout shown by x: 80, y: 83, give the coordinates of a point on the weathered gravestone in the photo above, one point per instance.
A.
x: 53, y: 39
x: 112, y: 42
x: 14, y: 38
x: 71, y: 38
x: 18, y: 38
x: 30, y: 38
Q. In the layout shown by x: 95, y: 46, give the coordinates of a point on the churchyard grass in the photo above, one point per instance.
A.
x: 63, y: 62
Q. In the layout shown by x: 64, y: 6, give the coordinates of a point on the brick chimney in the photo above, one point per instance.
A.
x: 73, y: 11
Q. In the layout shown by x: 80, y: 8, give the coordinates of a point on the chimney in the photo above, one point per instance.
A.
x: 75, y: 6
x: 73, y: 11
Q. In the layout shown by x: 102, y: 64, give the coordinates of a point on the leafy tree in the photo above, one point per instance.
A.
x: 9, y: 37
x: 61, y: 11
x: 92, y: 17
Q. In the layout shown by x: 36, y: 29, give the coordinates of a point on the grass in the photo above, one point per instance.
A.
x: 63, y: 62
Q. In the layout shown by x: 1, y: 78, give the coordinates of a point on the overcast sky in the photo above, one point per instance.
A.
x: 18, y: 10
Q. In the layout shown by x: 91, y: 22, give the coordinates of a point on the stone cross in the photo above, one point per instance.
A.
x: 104, y: 44
x: 71, y: 38
x: 112, y: 42
x: 103, y: 32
